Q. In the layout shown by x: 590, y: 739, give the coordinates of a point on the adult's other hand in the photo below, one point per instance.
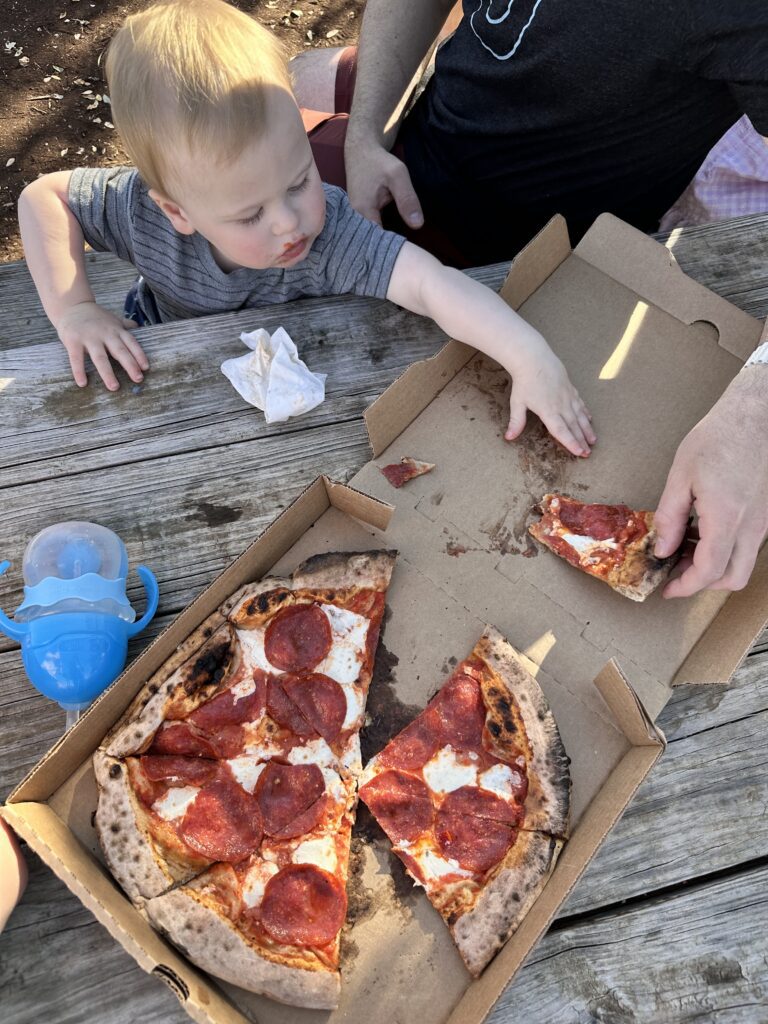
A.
x: 375, y: 178
x: 721, y: 469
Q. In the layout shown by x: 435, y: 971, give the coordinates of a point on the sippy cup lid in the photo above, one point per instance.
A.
x: 76, y: 565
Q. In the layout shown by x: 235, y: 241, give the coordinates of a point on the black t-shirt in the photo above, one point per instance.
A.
x: 576, y: 107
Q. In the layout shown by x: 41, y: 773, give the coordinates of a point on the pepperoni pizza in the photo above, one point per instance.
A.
x: 227, y: 791
x: 474, y: 795
x: 614, y: 543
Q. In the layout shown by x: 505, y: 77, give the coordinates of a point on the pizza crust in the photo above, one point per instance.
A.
x: 641, y: 571
x: 506, y: 899
x: 206, y: 667
x: 211, y: 940
x: 547, y: 804
x: 332, y: 571
x: 125, y: 841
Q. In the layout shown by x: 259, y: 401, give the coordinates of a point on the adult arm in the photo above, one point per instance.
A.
x: 54, y: 249
x: 721, y: 469
x: 396, y: 40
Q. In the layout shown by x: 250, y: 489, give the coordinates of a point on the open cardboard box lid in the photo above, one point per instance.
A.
x: 650, y: 351
x: 461, y: 535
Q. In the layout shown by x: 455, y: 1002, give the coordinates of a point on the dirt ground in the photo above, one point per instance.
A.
x: 54, y: 107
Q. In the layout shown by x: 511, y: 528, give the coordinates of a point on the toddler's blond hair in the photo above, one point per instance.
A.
x: 190, y: 73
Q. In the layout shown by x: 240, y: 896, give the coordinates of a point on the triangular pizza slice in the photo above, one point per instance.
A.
x: 613, y: 543
x: 474, y: 795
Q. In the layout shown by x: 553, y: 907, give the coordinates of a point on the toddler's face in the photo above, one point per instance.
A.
x: 263, y: 209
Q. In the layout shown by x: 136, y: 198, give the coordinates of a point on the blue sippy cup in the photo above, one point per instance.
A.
x: 75, y: 620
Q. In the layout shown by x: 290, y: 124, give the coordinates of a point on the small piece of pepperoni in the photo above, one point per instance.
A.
x: 400, y: 803
x: 284, y: 792
x: 320, y: 700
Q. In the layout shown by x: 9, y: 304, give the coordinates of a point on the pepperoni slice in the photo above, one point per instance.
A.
x: 320, y: 700
x: 223, y: 822
x: 228, y: 708
x: 284, y: 792
x: 228, y: 741
x: 180, y: 738
x: 184, y: 770
x: 481, y: 803
x: 462, y: 712
x: 400, y: 803
x: 303, y: 906
x: 282, y: 710
x: 298, y: 638
x: 416, y: 744
x: 476, y: 843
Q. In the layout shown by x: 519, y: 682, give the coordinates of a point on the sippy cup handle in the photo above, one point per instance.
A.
x: 15, y: 630
x: 153, y: 593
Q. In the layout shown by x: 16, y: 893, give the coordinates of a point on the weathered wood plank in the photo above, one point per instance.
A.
x: 58, y: 964
x: 166, y: 509
x: 730, y: 257
x: 702, y: 808
x: 24, y: 322
x: 48, y: 423
x: 699, y: 955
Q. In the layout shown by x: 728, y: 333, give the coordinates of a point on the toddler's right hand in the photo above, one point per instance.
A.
x: 87, y: 328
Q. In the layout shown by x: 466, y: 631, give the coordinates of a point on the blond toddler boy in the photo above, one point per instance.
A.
x: 224, y: 210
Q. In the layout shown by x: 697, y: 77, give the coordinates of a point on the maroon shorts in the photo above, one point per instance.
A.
x: 327, y: 132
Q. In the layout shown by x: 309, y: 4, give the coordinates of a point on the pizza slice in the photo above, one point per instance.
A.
x: 613, y: 543
x: 272, y: 922
x: 245, y: 749
x: 474, y: 795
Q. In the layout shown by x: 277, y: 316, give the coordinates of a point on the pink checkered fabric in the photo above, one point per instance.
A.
x: 732, y: 181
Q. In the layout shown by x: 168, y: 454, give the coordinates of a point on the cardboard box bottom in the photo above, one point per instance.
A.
x: 399, y: 961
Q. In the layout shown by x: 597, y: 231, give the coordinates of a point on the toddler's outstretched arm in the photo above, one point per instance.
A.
x: 472, y: 313
x: 53, y: 246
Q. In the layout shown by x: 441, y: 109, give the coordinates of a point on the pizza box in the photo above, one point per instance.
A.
x: 650, y: 350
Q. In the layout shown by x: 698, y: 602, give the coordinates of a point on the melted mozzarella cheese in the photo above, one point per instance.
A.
x: 252, y: 641
x: 355, y: 705
x: 434, y: 866
x: 586, y: 546
x: 333, y: 785
x: 247, y: 771
x: 316, y: 752
x: 257, y: 751
x: 243, y: 689
x: 255, y: 881
x: 444, y: 772
x: 348, y: 635
x: 175, y: 802
x: 501, y: 780
x: 321, y: 852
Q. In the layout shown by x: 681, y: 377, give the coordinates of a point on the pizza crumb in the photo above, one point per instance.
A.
x: 399, y: 473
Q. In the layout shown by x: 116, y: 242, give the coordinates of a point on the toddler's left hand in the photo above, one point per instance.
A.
x: 543, y: 386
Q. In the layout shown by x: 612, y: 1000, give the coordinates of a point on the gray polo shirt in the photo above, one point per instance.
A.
x: 116, y: 214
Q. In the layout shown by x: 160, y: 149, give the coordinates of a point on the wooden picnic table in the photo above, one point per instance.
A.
x: 669, y: 923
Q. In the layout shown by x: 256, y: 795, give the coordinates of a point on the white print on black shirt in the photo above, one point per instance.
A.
x: 491, y: 20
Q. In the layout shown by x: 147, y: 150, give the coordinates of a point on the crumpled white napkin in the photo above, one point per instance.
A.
x: 273, y: 378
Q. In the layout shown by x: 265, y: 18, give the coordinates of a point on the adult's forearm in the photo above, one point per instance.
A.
x: 53, y: 247
x: 396, y: 40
